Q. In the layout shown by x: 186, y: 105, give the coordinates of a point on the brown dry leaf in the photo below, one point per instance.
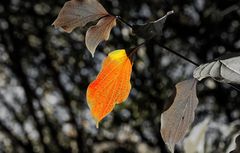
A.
x: 99, y: 32
x: 177, y: 119
x: 77, y: 13
x: 151, y: 29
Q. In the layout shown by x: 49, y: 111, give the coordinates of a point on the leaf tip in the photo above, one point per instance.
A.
x: 54, y: 24
x: 97, y: 124
x: 171, y: 149
x: 92, y: 53
x: 170, y: 12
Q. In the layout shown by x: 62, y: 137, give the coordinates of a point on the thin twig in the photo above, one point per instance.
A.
x: 123, y: 21
x: 192, y: 62
x: 166, y: 15
x: 134, y: 50
x: 233, y: 86
x: 179, y: 55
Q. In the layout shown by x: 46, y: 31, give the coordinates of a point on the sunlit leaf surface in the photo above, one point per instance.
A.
x: 112, y: 85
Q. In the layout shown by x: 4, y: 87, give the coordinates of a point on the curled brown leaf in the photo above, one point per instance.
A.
x: 225, y: 70
x: 99, y: 32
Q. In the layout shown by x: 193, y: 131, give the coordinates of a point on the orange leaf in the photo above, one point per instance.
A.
x: 99, y: 32
x: 112, y: 85
x: 77, y: 13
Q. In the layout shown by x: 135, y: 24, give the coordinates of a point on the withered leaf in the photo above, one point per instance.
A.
x: 178, y: 118
x: 77, y: 13
x: 225, y: 70
x: 99, y: 32
x: 151, y: 29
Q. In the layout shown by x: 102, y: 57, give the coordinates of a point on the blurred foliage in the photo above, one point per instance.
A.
x: 44, y: 74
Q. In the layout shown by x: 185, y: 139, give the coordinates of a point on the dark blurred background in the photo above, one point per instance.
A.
x: 44, y: 74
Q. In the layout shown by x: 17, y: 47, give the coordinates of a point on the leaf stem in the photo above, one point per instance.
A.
x: 123, y: 21
x: 166, y: 15
x: 134, y: 50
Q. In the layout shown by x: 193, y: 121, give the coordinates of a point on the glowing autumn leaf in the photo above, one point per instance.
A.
x: 99, y: 32
x: 77, y: 13
x: 112, y: 85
